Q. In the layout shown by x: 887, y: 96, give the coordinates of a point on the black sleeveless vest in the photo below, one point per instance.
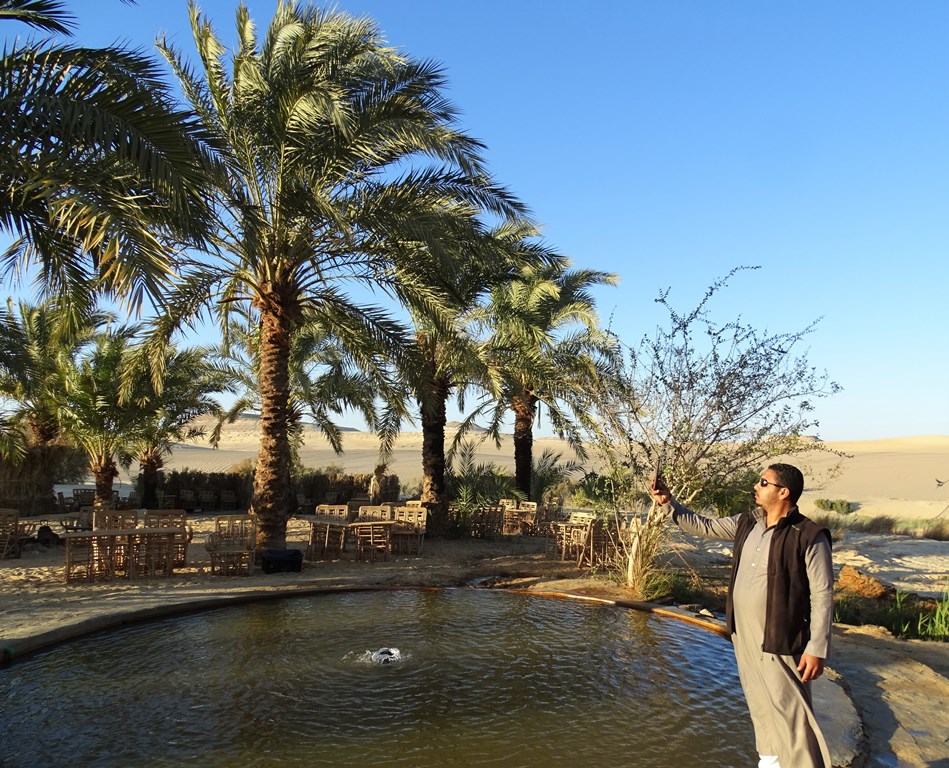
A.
x: 788, y: 613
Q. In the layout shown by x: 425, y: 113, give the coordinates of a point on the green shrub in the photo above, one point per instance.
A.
x: 840, y: 506
x: 880, y: 524
x: 904, y: 615
x: 938, y: 531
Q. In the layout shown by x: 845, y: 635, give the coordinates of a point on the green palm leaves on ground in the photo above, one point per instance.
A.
x: 343, y: 168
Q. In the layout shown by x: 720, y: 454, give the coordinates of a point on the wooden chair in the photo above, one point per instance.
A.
x: 232, y: 545
x: 305, y: 506
x: 90, y: 558
x: 81, y: 521
x: 111, y: 518
x: 527, y: 510
x: 507, y: 503
x: 413, y: 503
x: 408, y: 533
x: 374, y: 512
x: 333, y: 512
x: 207, y: 500
x: 327, y: 540
x: 105, y: 518
x: 83, y: 497
x: 228, y: 499
x: 151, y: 554
x: 510, y: 521
x: 9, y: 533
x: 358, y: 501
x: 372, y: 540
x: 599, y: 545
x: 173, y: 518
x: 187, y: 499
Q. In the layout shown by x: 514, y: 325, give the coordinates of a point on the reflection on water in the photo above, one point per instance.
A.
x: 486, y: 679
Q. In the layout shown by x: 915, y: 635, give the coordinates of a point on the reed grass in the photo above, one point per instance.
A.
x: 837, y: 524
x: 904, y: 615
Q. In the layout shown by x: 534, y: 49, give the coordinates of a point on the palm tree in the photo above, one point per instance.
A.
x: 450, y: 358
x: 34, y: 342
x: 343, y: 167
x: 100, y: 176
x: 545, y: 338
x: 329, y: 375
x: 94, y: 412
x: 167, y: 413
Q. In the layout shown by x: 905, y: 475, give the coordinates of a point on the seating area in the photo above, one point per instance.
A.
x: 116, y: 546
x: 508, y: 517
x: 103, y: 542
x: 376, y: 531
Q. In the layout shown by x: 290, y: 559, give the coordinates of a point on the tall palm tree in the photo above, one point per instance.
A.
x: 343, y: 167
x: 329, y: 375
x: 100, y: 175
x: 544, y: 337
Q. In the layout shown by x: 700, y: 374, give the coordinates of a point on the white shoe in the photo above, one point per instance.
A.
x: 768, y: 761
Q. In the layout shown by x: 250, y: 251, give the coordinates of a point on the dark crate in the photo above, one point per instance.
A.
x: 282, y: 561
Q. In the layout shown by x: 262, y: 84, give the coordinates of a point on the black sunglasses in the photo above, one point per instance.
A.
x: 765, y: 483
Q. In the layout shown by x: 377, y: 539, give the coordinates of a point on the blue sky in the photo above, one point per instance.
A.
x: 671, y: 141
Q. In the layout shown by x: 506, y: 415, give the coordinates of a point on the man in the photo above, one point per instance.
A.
x: 779, y: 611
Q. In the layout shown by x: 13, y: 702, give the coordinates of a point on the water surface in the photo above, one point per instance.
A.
x: 486, y: 679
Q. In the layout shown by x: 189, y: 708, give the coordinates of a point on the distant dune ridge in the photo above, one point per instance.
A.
x: 896, y: 477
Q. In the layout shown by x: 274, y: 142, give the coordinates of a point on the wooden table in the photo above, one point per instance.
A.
x: 108, y: 553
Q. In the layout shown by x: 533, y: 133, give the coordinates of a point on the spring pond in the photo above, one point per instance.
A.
x: 486, y: 678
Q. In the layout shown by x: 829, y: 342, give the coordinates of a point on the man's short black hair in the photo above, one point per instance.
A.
x: 791, y: 478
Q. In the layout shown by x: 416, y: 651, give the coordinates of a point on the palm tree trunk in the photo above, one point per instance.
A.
x: 271, y: 501
x: 524, y: 442
x: 104, y: 471
x: 149, y: 466
x: 434, y: 419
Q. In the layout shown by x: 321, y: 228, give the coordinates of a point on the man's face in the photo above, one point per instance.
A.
x: 770, y: 492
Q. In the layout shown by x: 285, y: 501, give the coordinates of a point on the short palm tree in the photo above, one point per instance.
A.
x: 35, y: 340
x: 100, y: 175
x: 544, y: 338
x: 93, y: 412
x: 343, y: 168
x: 167, y: 413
